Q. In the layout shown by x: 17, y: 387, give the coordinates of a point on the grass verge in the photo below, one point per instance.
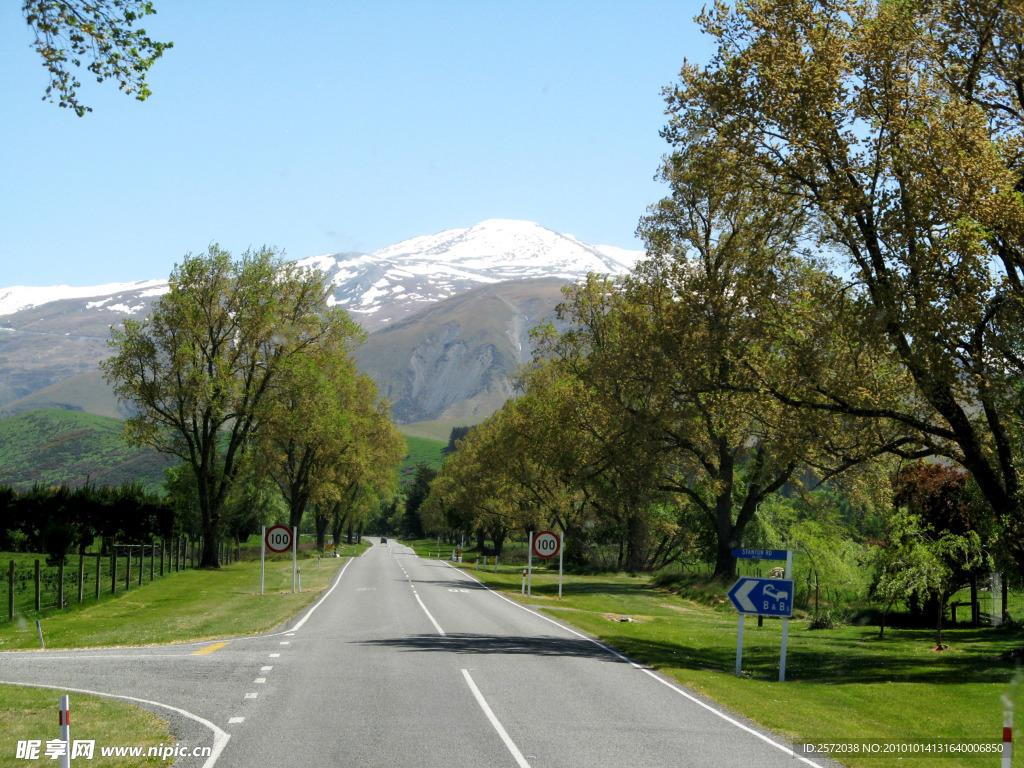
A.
x: 31, y: 713
x: 843, y: 684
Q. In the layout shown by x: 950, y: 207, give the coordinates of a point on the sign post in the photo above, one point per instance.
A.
x: 763, y: 597
x: 277, y: 538
x: 529, y: 566
x: 546, y: 544
x: 785, y: 621
x: 295, y: 558
x: 64, y: 721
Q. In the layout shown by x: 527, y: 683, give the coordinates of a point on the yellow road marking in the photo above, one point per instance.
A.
x: 210, y: 649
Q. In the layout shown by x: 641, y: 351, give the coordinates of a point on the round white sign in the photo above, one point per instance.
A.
x: 546, y: 544
x: 279, y: 538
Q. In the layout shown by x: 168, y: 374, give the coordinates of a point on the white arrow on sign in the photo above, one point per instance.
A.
x: 742, y: 595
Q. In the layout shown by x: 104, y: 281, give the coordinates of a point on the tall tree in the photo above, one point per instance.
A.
x: 899, y: 127
x: 100, y: 32
x: 314, y: 418
x: 199, y: 371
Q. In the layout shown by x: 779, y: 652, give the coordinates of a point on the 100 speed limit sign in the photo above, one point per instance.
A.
x: 546, y: 544
x: 279, y: 538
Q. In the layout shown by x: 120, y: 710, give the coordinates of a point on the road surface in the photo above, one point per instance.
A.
x: 409, y: 662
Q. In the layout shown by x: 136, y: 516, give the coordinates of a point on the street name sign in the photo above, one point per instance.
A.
x: 760, y: 554
x: 764, y: 597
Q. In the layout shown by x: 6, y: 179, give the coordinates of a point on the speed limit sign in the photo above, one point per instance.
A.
x: 279, y: 538
x: 546, y: 544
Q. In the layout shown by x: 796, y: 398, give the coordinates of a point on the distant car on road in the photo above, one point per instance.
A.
x: 383, y: 539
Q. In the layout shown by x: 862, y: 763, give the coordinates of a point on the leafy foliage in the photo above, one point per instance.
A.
x: 100, y: 32
x: 201, y: 370
x: 898, y: 128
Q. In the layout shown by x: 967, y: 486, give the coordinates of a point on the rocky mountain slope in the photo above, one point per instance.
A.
x: 448, y: 314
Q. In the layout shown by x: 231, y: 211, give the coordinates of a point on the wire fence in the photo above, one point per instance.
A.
x: 30, y: 586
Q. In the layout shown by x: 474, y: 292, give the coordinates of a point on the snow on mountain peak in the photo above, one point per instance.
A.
x: 403, y: 277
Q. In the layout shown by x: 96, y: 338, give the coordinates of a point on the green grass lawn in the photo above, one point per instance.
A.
x: 844, y: 684
x: 190, y: 605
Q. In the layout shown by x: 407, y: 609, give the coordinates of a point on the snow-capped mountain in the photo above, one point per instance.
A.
x: 392, y: 282
x: 403, y: 278
x: 447, y: 362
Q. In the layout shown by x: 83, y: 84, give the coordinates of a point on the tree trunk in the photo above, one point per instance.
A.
x: 975, y: 611
x: 321, y: 519
x: 725, y: 562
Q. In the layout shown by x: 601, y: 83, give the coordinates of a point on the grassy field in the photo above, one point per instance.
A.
x: 842, y: 684
x: 421, y: 451
x: 55, y: 447
x: 191, y: 605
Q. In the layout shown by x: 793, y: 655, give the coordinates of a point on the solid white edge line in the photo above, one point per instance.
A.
x: 220, y: 737
x: 323, y: 597
x: 436, y: 625
x: 788, y: 750
x: 511, y: 745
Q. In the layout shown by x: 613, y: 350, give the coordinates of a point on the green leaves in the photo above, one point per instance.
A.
x: 100, y: 32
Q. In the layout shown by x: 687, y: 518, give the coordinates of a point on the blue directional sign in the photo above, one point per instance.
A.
x: 760, y: 554
x: 765, y: 597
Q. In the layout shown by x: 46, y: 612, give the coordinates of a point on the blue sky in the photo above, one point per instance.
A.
x: 321, y: 127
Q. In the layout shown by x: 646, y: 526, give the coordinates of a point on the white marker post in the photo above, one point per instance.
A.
x: 785, y: 620
x: 64, y: 718
x: 263, y: 556
x: 1007, y: 756
x: 295, y: 556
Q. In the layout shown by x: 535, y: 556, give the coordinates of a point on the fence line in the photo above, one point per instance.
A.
x: 36, y: 587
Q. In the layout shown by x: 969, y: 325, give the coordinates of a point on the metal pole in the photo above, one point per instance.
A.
x: 785, y: 621
x: 561, y: 548
x: 263, y: 556
x: 295, y: 556
x: 529, y: 566
x: 739, y: 645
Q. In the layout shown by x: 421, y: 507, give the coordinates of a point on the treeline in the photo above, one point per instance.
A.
x: 59, y: 521
x: 833, y: 294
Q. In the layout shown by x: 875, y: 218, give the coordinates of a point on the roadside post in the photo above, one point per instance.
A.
x: 1007, y: 756
x: 295, y: 558
x: 547, y: 544
x: 278, y: 539
x: 64, y: 719
x: 529, y: 566
x: 763, y: 597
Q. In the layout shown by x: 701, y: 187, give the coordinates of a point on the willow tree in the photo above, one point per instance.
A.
x: 198, y: 372
x: 898, y: 126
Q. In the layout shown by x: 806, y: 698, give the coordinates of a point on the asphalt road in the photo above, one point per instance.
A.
x: 410, y: 662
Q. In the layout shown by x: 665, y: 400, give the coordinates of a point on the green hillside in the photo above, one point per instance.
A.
x: 421, y: 451
x: 56, y: 447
